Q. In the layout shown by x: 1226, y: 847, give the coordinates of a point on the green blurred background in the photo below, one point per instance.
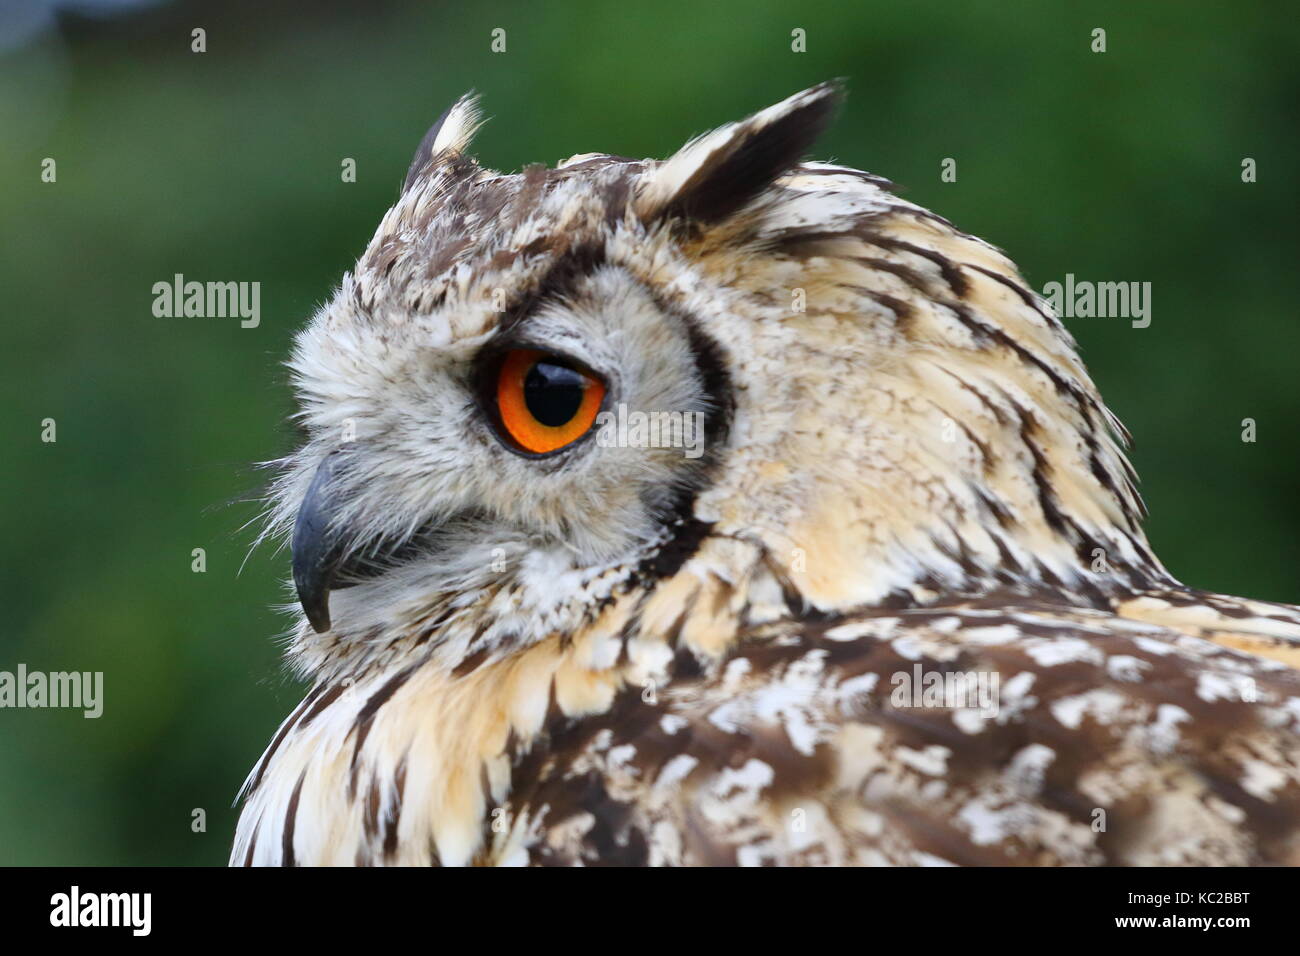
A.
x: 226, y: 166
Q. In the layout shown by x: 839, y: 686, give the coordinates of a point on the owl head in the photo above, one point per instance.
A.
x: 538, y: 391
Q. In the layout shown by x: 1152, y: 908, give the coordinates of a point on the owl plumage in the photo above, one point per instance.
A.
x: 621, y: 654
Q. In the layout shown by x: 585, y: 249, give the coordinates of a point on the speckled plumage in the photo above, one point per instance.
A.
x: 622, y: 655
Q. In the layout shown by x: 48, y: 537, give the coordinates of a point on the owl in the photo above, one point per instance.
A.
x: 729, y: 510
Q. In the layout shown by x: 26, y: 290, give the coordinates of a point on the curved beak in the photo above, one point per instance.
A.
x: 317, y: 553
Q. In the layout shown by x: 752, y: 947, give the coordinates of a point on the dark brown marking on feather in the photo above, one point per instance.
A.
x: 1093, y: 595
x: 794, y: 773
x: 950, y: 271
x: 1227, y: 608
x: 554, y: 714
x: 1047, y: 503
x: 938, y: 837
x: 480, y: 629
x: 394, y: 818
x: 800, y: 243
x: 446, y: 255
x: 385, y: 258
x: 502, y: 260
x: 601, y: 162
x: 1107, y: 481
x: 686, y: 666
x: 290, y: 821
x: 1022, y: 293
x: 487, y: 205
x: 1269, y: 823
x: 617, y: 198
x: 428, y: 630
x: 424, y: 152
x: 987, y: 455
x: 955, y: 549
x: 532, y: 184
x: 902, y: 310
x: 928, y: 218
x: 472, y: 661
x: 879, y: 182
x: 511, y: 748
x: 674, y: 553
x: 1048, y: 576
x: 325, y: 700
x: 711, y: 362
x: 674, y: 633
x: 279, y: 738
x: 909, y: 275
x: 485, y: 786
x: 571, y: 264
x: 252, y: 843
x: 999, y: 415
x: 985, y: 332
x: 630, y: 629
x: 796, y: 605
x: 614, y: 838
x: 370, y: 820
x: 1145, y: 576
x: 366, y: 716
x: 460, y: 193
x: 748, y: 162
x: 1083, y: 544
x: 1009, y: 570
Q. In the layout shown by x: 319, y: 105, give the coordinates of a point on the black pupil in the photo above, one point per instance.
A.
x: 553, y: 393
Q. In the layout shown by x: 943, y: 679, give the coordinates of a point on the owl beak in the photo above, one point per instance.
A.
x: 316, y: 551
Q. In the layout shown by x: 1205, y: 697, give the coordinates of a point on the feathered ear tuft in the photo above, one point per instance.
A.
x: 452, y: 133
x: 716, y: 174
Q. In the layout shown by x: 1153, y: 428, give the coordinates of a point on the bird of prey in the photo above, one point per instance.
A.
x: 726, y: 510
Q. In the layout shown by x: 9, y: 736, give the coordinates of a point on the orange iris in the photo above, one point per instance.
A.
x: 544, y: 402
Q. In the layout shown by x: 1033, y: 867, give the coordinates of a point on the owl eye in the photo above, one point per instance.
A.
x: 544, y: 401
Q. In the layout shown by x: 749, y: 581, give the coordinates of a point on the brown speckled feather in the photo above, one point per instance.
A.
x: 1112, y: 743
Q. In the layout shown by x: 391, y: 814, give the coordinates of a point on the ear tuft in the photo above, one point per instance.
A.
x: 716, y: 174
x: 452, y: 132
